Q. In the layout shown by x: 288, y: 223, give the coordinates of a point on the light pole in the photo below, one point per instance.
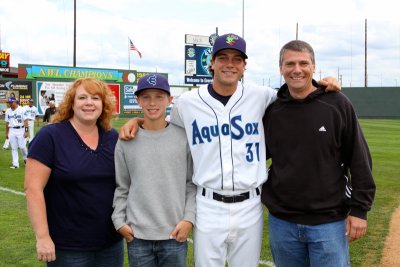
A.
x: 243, y: 19
x: 74, y: 63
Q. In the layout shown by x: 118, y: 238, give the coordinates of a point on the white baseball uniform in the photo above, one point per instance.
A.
x: 228, y: 150
x: 15, y: 119
x: 30, y: 114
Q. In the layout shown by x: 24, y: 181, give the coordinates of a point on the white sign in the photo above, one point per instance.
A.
x: 197, y: 39
x: 47, y: 91
x: 190, y: 67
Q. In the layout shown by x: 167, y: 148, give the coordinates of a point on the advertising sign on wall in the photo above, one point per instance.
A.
x: 47, y: 91
x: 197, y: 60
x: 21, y: 90
x: 130, y: 104
x: 4, y: 62
x: 115, y: 88
x: 50, y: 91
x: 42, y: 72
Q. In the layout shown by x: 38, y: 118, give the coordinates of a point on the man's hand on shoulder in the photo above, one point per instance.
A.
x: 331, y: 84
x: 130, y: 128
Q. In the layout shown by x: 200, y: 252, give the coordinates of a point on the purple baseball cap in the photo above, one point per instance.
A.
x: 153, y: 81
x: 229, y: 41
x: 11, y: 99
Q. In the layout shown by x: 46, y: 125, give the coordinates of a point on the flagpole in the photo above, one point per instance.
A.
x: 129, y: 54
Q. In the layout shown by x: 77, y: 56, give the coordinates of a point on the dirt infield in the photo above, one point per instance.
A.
x: 391, y: 251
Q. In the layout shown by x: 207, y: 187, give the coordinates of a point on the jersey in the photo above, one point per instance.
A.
x: 227, y: 142
x: 15, y: 118
x: 31, y: 112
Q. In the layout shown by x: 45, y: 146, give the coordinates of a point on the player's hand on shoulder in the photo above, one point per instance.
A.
x: 331, y: 84
x: 130, y: 128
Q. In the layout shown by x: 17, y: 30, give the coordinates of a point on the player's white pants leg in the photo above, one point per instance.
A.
x: 17, y: 140
x: 14, y: 148
x: 24, y: 149
x: 31, y: 125
x: 228, y: 232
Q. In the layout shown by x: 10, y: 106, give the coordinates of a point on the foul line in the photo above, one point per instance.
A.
x: 266, y: 263
x: 11, y: 191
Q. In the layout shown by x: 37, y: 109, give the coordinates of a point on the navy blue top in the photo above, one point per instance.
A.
x: 80, y: 190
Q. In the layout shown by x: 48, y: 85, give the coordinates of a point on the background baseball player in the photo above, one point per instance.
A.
x: 223, y: 123
x: 16, y: 131
x: 31, y: 113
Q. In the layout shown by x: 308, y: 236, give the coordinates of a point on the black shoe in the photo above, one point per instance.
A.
x: 13, y: 167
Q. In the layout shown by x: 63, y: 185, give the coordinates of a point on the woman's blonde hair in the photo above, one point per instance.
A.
x: 95, y: 87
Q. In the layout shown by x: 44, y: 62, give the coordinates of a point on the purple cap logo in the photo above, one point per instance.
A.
x: 231, y: 39
x: 153, y: 81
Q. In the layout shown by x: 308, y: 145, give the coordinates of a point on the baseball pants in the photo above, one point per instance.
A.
x: 229, y: 232
x: 31, y: 126
x: 17, y: 140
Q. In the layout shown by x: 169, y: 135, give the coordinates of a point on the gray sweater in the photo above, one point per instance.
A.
x: 154, y: 183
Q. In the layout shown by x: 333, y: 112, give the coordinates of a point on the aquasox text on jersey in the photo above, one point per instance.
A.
x: 236, y: 130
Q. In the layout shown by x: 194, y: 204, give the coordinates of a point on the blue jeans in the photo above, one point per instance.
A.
x: 149, y: 253
x: 308, y: 245
x: 111, y: 256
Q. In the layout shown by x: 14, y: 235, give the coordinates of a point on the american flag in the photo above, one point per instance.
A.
x: 133, y: 47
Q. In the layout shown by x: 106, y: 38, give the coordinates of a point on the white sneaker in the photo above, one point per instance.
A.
x: 13, y: 167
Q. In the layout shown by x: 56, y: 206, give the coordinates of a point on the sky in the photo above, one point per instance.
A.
x: 41, y: 32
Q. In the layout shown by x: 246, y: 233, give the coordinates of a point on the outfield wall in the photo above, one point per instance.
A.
x: 375, y: 102
x: 368, y: 102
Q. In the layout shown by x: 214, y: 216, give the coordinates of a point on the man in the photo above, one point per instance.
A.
x: 223, y: 123
x: 49, y: 112
x: 16, y: 131
x: 320, y: 183
x: 31, y: 113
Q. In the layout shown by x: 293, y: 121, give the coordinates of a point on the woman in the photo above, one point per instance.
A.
x: 70, y: 181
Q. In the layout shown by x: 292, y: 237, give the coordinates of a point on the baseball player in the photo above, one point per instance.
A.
x: 31, y: 113
x: 223, y: 123
x: 16, y: 131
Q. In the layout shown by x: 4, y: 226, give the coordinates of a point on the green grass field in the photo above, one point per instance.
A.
x: 17, y: 242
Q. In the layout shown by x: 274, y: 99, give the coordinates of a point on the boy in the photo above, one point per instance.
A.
x: 154, y: 202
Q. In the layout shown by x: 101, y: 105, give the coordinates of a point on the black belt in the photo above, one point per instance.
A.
x: 231, y: 198
x: 17, y: 127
